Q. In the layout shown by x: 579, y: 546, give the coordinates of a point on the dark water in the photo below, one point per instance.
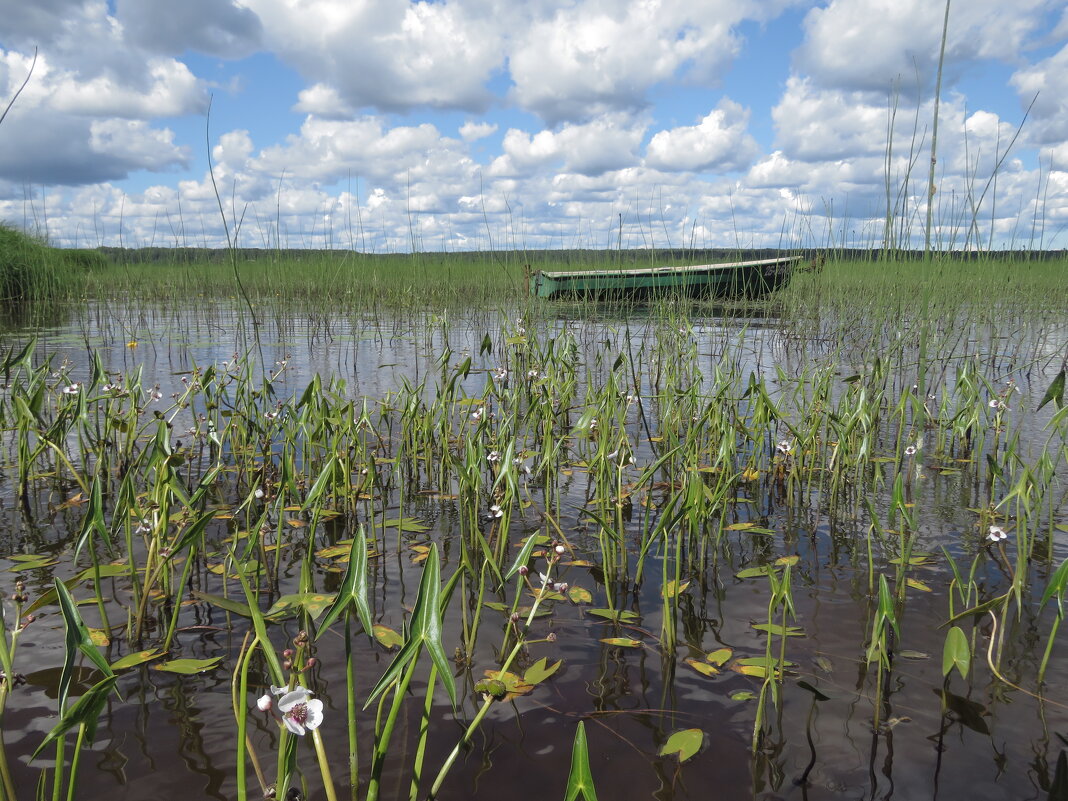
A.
x: 175, y: 736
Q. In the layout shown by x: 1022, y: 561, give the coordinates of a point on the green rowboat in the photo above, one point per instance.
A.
x: 737, y: 279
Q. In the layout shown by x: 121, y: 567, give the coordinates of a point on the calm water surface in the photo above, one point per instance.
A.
x: 172, y: 736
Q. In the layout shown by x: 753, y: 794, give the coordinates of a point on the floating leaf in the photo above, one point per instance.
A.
x: 412, y: 524
x: 228, y: 604
x: 719, y: 656
x: 387, y: 636
x: 754, y: 572
x: 287, y: 606
x: 136, y: 658
x: 956, y: 653
x: 907, y: 654
x: 750, y: 670
x: 580, y: 595
x: 743, y: 695
x: 188, y: 667
x: 778, y: 630
x: 701, y: 667
x: 824, y: 664
x: 739, y: 526
x: 514, y: 686
x: 622, y: 642
x: 617, y: 615
x: 541, y: 670
x: 917, y: 585
x: 783, y: 561
x: 100, y: 637
x: 683, y: 743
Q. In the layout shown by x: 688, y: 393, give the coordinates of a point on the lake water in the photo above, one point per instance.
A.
x: 841, y: 730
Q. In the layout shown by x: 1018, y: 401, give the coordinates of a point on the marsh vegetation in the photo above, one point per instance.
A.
x: 415, y: 534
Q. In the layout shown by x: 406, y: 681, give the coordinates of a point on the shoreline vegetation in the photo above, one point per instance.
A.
x: 34, y: 276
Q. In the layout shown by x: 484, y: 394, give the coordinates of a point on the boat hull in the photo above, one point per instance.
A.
x: 738, y: 279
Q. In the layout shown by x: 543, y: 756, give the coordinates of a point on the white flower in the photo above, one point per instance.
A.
x: 996, y: 534
x: 476, y: 415
x: 910, y: 450
x: 784, y: 447
x: 500, y: 374
x: 496, y: 511
x: 533, y: 375
x: 300, y: 712
x: 72, y: 389
x: 493, y: 456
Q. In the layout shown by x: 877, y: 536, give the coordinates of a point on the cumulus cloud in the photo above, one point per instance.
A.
x: 866, y: 44
x: 471, y: 131
x: 1044, y: 82
x: 219, y: 27
x: 719, y: 142
x: 815, y: 123
x: 580, y: 60
x: 392, y: 55
x: 609, y: 142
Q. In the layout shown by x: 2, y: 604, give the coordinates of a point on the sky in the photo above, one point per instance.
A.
x: 458, y: 125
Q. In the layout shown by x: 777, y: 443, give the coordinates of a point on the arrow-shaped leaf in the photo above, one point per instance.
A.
x: 353, y: 587
x: 424, y: 630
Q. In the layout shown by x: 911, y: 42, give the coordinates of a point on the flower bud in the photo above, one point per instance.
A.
x: 264, y: 703
x: 523, y: 570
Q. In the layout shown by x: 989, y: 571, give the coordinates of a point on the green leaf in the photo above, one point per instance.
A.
x: 188, y: 667
x: 743, y: 695
x: 387, y: 636
x: 77, y: 639
x: 424, y: 631
x: 411, y: 524
x: 85, y: 712
x: 616, y: 615
x: 703, y: 668
x: 719, y: 656
x: 136, y: 658
x: 684, y: 743
x: 580, y: 779
x: 288, y: 606
x: 228, y: 604
x: 754, y: 572
x: 622, y: 642
x: 541, y: 670
x: 779, y: 631
x: 353, y: 587
x: 580, y: 595
x: 956, y: 653
x: 1055, y: 392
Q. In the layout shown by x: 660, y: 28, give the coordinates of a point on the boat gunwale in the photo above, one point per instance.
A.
x: 656, y: 271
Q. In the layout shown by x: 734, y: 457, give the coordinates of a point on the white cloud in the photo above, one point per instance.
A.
x: 609, y: 142
x: 866, y: 44
x: 719, y: 142
x: 471, y: 131
x: 323, y: 101
x: 220, y: 27
x: 389, y: 54
x: 1047, y: 80
x: 815, y: 123
x: 579, y: 60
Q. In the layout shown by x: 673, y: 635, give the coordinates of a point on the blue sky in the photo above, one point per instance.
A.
x: 468, y: 123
